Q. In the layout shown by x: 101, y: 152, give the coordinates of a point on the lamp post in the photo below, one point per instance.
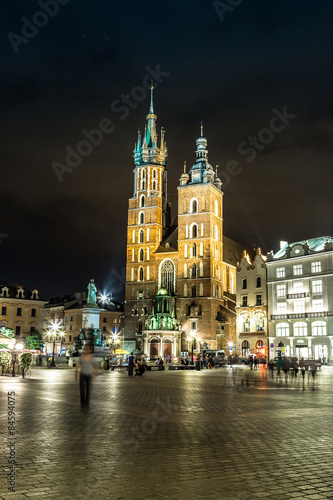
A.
x: 191, y: 339
x: 55, y: 327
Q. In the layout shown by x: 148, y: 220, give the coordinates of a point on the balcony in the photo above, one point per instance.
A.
x: 301, y: 295
x: 319, y: 314
x: 258, y: 332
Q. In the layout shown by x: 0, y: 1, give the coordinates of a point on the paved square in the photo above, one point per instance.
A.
x: 219, y: 434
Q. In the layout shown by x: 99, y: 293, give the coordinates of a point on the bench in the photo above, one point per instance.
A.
x: 113, y: 367
x: 152, y: 367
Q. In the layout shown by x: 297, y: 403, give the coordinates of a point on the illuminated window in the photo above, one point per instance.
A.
x: 132, y: 274
x: 148, y: 272
x: 319, y: 328
x: 280, y: 272
x: 185, y: 270
x: 297, y: 270
x: 185, y: 251
x: 281, y: 290
x: 281, y: 307
x: 201, y: 249
x: 133, y: 236
x: 247, y: 324
x: 315, y: 267
x: 282, y: 330
x: 201, y: 269
x: 201, y: 289
x: 194, y: 206
x: 299, y: 306
x: 317, y: 305
x: 317, y: 286
x: 133, y: 255
x: 298, y: 286
x: 245, y: 348
x: 300, y: 329
x: 148, y: 234
x: 148, y: 253
x: 202, y: 229
x: 167, y: 275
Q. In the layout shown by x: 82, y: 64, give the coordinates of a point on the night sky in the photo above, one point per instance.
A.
x: 229, y: 69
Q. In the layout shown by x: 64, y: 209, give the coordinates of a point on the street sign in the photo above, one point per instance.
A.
x: 272, y: 345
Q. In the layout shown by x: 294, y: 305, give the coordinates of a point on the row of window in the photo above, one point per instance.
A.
x: 259, y: 324
x: 140, y: 294
x: 19, y: 294
x: 258, y: 283
x: 33, y: 312
x: 140, y: 274
x: 258, y: 300
x: 141, y: 254
x: 141, y: 235
x: 143, y: 181
x: 299, y: 306
x: 298, y: 269
x: 298, y: 287
x: 18, y: 329
x: 195, y: 291
x: 194, y: 207
x: 300, y: 329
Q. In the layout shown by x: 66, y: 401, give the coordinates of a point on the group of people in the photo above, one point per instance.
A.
x: 293, y: 366
x: 159, y: 363
x: 139, y: 364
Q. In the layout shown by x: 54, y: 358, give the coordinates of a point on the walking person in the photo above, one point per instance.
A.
x: 87, y: 368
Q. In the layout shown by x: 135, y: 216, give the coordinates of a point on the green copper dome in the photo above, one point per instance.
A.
x: 162, y: 291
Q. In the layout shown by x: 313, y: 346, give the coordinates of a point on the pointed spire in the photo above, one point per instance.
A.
x: 216, y: 168
x: 151, y: 111
x: 185, y: 167
x: 139, y: 138
x: 201, y: 129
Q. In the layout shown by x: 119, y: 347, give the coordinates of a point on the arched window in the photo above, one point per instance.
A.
x: 133, y: 236
x: 260, y: 322
x: 300, y: 329
x: 148, y: 234
x: 244, y: 284
x: 319, y: 328
x: 132, y: 274
x: 282, y: 330
x: 133, y: 255
x: 141, y: 218
x: 148, y: 272
x: 141, y: 255
x: 201, y: 289
x: 201, y: 269
x: 185, y: 270
x: 185, y: 250
x: 140, y: 273
x: 154, y: 186
x: 194, y: 231
x: 143, y: 179
x: 201, y: 249
x: 245, y: 348
x: 141, y: 236
x: 194, y: 291
x: 186, y: 230
x: 202, y: 229
x: 194, y: 206
x: 148, y: 253
x: 194, y: 250
x: 167, y: 275
x: 142, y: 200
x: 246, y: 324
x: 194, y: 271
x: 154, y: 173
x: 185, y: 290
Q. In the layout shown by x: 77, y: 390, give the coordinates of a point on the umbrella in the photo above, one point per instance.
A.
x: 121, y: 351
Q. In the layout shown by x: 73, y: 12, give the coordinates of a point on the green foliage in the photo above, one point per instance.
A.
x: 34, y: 340
x: 25, y: 360
x: 6, y: 359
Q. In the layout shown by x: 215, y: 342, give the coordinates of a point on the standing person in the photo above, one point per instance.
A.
x: 130, y: 365
x: 144, y: 363
x: 160, y: 364
x: 271, y: 368
x: 88, y: 371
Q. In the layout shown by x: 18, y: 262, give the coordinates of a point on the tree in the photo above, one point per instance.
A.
x: 34, y: 340
x: 9, y: 333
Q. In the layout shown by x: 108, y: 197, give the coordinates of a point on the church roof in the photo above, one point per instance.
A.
x: 315, y: 245
x: 170, y: 240
x: 232, y: 251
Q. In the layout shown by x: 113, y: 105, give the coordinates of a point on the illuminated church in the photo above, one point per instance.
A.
x: 181, y: 275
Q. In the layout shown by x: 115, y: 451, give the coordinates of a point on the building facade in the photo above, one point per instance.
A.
x: 300, y: 299
x: 186, y: 258
x: 22, y: 310
x: 251, y: 306
x: 67, y: 313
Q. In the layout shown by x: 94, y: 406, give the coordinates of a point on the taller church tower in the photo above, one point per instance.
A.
x: 148, y: 221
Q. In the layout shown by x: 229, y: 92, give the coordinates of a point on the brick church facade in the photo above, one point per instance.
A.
x: 189, y: 263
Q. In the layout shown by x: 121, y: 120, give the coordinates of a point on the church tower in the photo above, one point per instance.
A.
x: 148, y: 221
x: 200, y: 248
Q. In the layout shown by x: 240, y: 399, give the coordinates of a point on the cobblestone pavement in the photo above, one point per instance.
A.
x: 228, y: 434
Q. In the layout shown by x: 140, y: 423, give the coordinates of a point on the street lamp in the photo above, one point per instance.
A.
x: 55, y: 327
x: 191, y: 338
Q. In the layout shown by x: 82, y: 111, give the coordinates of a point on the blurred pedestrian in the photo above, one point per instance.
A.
x: 87, y: 368
x: 130, y: 365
